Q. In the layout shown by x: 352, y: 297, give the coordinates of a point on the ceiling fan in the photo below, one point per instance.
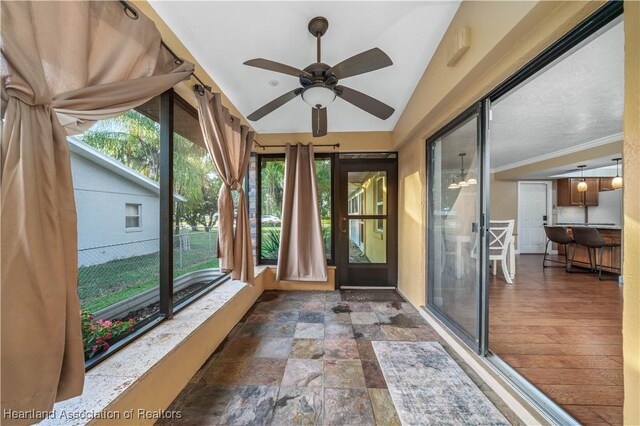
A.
x: 320, y: 85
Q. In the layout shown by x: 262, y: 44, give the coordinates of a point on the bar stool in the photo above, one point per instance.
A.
x: 592, y: 240
x: 558, y: 235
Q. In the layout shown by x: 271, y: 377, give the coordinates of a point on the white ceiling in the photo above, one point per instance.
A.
x: 223, y: 34
x: 577, y: 103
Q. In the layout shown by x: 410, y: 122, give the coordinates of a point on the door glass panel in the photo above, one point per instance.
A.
x: 454, y: 240
x: 367, y: 240
x: 367, y: 193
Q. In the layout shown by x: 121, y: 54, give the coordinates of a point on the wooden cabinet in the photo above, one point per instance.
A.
x: 606, y: 184
x: 568, y: 194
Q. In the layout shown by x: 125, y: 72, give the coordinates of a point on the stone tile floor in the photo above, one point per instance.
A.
x: 306, y: 358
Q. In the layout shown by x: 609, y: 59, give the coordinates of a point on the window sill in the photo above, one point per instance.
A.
x: 109, y: 382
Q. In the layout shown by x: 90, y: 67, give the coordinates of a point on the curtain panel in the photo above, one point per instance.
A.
x: 229, y: 143
x: 301, y: 256
x: 64, y: 66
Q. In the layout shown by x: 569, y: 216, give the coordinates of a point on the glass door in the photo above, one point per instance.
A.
x: 367, y: 223
x: 455, y: 229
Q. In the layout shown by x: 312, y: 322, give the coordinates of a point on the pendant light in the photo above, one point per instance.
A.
x: 453, y: 184
x: 462, y: 182
x: 582, y: 185
x: 616, y: 183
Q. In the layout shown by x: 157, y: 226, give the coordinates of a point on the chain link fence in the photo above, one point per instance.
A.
x: 111, y: 273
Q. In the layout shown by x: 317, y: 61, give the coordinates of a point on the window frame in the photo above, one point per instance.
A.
x: 258, y: 220
x: 166, y: 294
x: 138, y: 216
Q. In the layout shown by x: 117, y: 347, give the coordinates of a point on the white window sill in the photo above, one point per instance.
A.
x: 110, y: 381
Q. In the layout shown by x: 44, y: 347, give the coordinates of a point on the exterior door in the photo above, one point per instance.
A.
x: 456, y: 233
x: 532, y: 215
x: 367, y: 223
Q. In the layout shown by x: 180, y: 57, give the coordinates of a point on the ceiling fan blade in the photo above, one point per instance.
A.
x: 319, y: 121
x: 273, y: 105
x: 266, y: 64
x: 367, y: 61
x: 365, y: 102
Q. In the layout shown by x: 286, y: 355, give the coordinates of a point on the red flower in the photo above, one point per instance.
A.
x: 105, y: 346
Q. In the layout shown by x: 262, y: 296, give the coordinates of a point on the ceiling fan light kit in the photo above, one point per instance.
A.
x: 318, y: 96
x: 319, y: 82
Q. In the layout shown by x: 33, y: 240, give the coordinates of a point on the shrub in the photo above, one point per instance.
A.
x: 97, y: 334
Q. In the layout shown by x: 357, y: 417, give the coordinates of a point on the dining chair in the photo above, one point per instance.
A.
x: 500, y: 235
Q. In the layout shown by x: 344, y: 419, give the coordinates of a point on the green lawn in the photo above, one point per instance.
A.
x: 103, y: 285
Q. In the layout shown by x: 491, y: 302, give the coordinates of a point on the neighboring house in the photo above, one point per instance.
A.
x: 118, y: 208
x: 369, y: 235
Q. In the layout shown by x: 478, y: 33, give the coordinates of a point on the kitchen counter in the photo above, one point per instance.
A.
x: 612, y: 257
x: 591, y: 225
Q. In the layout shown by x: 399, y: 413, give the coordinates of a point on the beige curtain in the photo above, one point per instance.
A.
x: 301, y: 256
x: 64, y: 65
x: 230, y: 145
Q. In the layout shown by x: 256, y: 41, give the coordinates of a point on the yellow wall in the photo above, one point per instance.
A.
x: 349, y: 141
x: 504, y: 200
x: 375, y: 243
x: 631, y: 161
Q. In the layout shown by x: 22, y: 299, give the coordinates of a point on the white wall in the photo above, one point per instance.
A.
x: 101, y: 196
x: 608, y: 210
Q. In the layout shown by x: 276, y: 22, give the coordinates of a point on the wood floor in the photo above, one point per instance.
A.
x: 563, y: 332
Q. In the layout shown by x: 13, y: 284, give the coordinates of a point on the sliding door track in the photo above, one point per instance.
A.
x: 541, y: 402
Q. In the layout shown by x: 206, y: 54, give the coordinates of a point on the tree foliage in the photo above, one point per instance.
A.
x: 134, y: 140
x: 272, y: 186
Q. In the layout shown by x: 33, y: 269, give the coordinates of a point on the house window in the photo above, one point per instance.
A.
x: 132, y: 219
x: 379, y: 200
x: 270, y: 194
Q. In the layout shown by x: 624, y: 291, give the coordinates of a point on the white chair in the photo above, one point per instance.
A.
x: 500, y: 236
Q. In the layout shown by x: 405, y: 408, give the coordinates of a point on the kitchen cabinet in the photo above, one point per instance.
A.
x: 606, y: 184
x: 568, y: 194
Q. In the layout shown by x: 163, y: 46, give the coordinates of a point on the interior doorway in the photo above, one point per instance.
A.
x: 534, y: 212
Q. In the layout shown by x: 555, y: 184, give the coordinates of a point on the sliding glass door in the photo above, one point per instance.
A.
x: 455, y: 226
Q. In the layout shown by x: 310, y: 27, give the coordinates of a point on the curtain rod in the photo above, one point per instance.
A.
x: 333, y: 145
x: 133, y: 13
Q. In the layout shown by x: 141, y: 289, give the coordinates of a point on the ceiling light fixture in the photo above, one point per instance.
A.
x: 462, y: 182
x: 318, y: 96
x: 616, y: 183
x: 582, y: 185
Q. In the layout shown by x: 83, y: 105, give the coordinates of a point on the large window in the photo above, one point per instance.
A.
x: 270, y: 195
x: 196, y: 185
x: 116, y: 168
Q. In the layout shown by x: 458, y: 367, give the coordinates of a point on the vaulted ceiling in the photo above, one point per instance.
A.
x: 223, y: 34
